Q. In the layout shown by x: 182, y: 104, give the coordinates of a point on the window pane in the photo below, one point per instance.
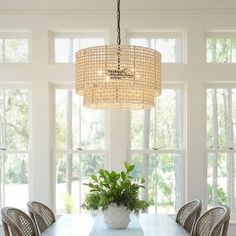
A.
x: 61, y: 118
x: 169, y: 49
x: 85, y: 126
x: 66, y: 47
x: 93, y: 129
x: 16, y: 179
x: 221, y: 118
x: 81, y: 166
x: 63, y: 50
x: 221, y: 108
x: 16, y: 50
x: 139, y: 42
x: 221, y: 50
x: 17, y: 119
x: 137, y: 119
x: 85, y: 43
x: 166, y: 131
x: 91, y: 42
x: 161, y: 180
x: 217, y: 179
x: 168, y: 120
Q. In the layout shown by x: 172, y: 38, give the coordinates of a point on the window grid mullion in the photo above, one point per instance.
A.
x: 170, y: 151
x: 79, y: 151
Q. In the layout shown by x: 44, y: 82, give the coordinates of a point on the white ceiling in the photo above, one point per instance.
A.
x: 111, y: 4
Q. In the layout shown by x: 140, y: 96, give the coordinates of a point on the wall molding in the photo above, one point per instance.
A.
x: 125, y: 12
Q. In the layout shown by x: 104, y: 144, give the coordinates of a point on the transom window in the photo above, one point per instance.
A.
x: 221, y: 141
x: 221, y: 47
x: 157, y: 150
x: 65, y: 45
x: 14, y: 146
x: 14, y: 47
x: 79, y: 148
x: 169, y: 44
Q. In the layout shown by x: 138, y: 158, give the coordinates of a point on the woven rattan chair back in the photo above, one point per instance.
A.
x: 213, y: 223
x: 188, y: 215
x: 42, y: 216
x: 17, y: 223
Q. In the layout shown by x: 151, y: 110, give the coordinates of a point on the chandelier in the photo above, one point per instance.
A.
x: 120, y: 77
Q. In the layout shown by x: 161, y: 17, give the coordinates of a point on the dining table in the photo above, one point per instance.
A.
x: 85, y: 225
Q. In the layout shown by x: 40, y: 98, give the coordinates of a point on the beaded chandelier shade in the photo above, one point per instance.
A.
x: 120, y: 77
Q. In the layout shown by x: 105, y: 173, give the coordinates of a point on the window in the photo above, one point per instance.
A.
x: 14, y: 47
x: 170, y: 45
x: 65, y: 45
x: 221, y: 142
x: 14, y: 146
x: 79, y: 148
x: 221, y: 48
x: 157, y: 150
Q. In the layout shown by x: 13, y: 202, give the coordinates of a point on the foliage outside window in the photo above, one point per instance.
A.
x: 169, y: 45
x: 157, y: 151
x: 14, y: 147
x: 79, y: 144
x: 14, y: 50
x: 221, y: 49
x: 221, y: 140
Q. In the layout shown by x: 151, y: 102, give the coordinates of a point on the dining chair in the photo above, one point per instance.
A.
x: 188, y: 215
x: 214, y: 222
x: 17, y: 223
x: 42, y: 215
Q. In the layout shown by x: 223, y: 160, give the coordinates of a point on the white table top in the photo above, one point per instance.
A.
x: 81, y: 225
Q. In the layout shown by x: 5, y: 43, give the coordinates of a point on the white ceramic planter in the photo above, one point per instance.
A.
x: 116, y: 217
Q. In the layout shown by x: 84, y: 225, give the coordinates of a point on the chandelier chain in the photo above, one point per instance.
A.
x: 118, y: 23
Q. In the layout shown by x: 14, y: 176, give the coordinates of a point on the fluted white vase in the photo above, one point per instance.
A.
x: 116, y: 217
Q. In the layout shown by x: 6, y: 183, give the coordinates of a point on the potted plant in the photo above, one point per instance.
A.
x: 116, y: 194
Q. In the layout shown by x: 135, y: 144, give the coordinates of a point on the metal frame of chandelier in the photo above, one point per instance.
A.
x: 118, y: 77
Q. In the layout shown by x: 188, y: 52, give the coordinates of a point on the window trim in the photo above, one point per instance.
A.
x: 24, y: 86
x: 53, y: 88
x: 181, y: 151
x: 218, y: 85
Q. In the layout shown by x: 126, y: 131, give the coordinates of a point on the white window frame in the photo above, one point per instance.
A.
x: 163, y: 34
x: 12, y: 85
x: 220, y: 150
x: 181, y: 151
x: 104, y: 152
x: 17, y: 34
x: 72, y: 34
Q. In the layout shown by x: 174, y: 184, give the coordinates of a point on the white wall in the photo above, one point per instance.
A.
x: 193, y: 16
